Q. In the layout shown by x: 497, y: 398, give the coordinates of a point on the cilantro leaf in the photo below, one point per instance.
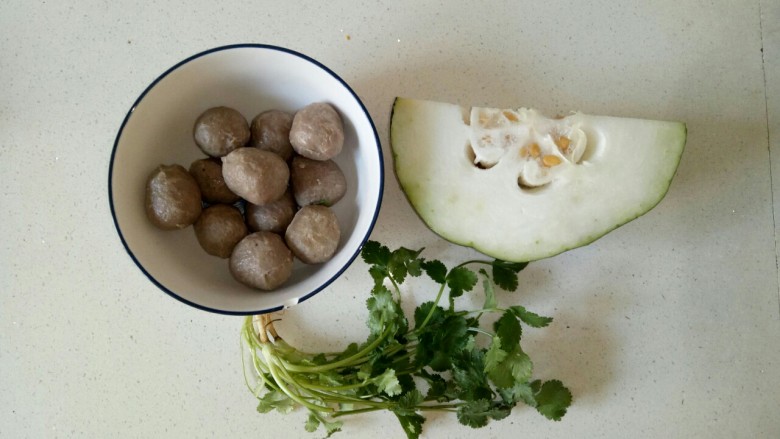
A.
x: 378, y: 274
x: 477, y: 413
x: 374, y: 253
x: 529, y: 318
x: 319, y: 359
x: 519, y: 392
x: 474, y: 413
x: 398, y: 271
x: 400, y: 261
x: 471, y: 343
x: 411, y: 424
x: 437, y: 386
x: 388, y: 383
x: 406, y: 411
x: 422, y: 311
x: 382, y: 311
x: 494, y: 355
x: 552, y: 400
x: 408, y: 402
x: 414, y: 267
x: 508, y: 329
x: 490, y: 293
x: 469, y: 376
x: 407, y: 382
x: 516, y: 367
x: 442, y: 350
x: 505, y: 273
x: 265, y: 405
x: 312, y: 423
x: 460, y: 279
x: 441, y: 341
x: 435, y: 270
x: 364, y: 373
x: 332, y: 427
x: 275, y: 400
x: 500, y: 411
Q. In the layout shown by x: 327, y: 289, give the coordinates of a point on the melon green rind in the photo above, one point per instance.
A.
x: 626, y: 171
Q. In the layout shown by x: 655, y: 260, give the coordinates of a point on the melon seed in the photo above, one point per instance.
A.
x: 563, y: 143
x: 550, y: 161
x: 535, y: 151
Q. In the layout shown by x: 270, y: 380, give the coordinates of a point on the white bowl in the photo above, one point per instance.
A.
x: 158, y: 130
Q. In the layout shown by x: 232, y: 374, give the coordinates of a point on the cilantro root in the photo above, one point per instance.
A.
x: 439, y: 349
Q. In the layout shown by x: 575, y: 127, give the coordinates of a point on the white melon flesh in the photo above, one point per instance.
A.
x: 520, y: 187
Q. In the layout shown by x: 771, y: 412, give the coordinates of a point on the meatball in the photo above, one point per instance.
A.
x: 317, y: 182
x: 208, y: 174
x: 220, y: 130
x: 255, y: 175
x: 271, y: 217
x: 271, y: 132
x: 219, y: 228
x: 172, y: 198
x: 261, y: 260
x: 313, y: 235
x: 317, y: 132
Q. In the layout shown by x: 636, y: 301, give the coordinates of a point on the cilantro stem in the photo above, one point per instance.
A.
x: 315, y: 386
x: 441, y: 407
x: 243, y: 369
x: 441, y: 291
x: 329, y: 394
x: 479, y: 311
x: 256, y: 363
x: 433, y: 309
x: 339, y: 398
x: 474, y: 261
x: 359, y: 358
x: 405, y: 356
x: 355, y: 412
x: 395, y: 358
x: 261, y: 374
x: 480, y: 330
x: 283, y: 387
x: 347, y: 362
x: 396, y: 287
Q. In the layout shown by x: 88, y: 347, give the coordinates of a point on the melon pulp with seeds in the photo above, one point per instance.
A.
x: 518, y: 186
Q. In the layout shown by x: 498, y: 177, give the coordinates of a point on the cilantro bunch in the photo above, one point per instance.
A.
x: 436, y: 363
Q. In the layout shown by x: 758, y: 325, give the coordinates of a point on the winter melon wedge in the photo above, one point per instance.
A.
x: 518, y: 186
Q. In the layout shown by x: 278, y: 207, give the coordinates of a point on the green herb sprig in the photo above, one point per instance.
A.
x: 439, y: 352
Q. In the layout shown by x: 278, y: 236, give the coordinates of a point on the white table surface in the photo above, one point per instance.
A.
x: 667, y: 327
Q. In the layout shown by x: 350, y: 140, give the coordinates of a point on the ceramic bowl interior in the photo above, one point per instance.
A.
x: 158, y: 130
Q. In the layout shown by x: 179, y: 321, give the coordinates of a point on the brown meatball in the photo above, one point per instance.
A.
x: 313, y: 235
x: 255, y: 175
x: 261, y: 260
x: 219, y: 228
x: 317, y: 182
x: 271, y: 217
x: 220, y: 130
x: 271, y: 132
x: 317, y: 132
x: 208, y: 174
x: 172, y: 198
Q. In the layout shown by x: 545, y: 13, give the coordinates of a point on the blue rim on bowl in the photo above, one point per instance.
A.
x: 138, y: 101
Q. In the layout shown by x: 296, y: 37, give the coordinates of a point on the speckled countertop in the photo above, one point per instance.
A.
x: 667, y: 327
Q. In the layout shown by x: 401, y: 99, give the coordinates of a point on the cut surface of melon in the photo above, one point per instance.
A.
x: 519, y: 186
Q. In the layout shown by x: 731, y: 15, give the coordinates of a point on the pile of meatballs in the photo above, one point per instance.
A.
x: 263, y: 196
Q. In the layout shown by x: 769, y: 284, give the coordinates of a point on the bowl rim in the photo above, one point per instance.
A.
x: 140, y: 98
